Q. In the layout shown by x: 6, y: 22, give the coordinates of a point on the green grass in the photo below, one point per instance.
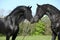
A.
x: 40, y: 37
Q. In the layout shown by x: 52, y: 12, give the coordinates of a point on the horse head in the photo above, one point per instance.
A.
x: 40, y: 11
x: 24, y: 13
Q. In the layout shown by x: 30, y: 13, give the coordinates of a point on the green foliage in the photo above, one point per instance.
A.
x: 39, y: 28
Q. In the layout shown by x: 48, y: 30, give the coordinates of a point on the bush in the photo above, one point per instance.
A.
x: 39, y: 28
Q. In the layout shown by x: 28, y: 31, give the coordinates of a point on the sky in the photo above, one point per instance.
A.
x: 11, y: 4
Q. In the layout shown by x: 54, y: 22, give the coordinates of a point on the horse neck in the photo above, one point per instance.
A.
x: 18, y: 19
x: 15, y: 19
x: 53, y: 14
x: 12, y: 16
x: 11, y: 19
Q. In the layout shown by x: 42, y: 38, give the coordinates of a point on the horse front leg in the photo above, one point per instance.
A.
x: 54, y: 36
x: 15, y: 34
x: 7, y: 37
x: 53, y: 32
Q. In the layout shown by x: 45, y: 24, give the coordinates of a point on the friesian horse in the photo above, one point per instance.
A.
x: 9, y: 25
x: 54, y: 15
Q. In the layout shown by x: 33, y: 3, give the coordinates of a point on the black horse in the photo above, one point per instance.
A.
x: 9, y: 25
x: 53, y: 13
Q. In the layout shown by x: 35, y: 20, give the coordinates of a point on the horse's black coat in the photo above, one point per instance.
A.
x: 54, y: 14
x: 9, y: 25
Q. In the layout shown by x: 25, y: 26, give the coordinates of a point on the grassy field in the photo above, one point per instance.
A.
x: 30, y: 37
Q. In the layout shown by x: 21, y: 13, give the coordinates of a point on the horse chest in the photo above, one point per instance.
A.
x: 10, y: 27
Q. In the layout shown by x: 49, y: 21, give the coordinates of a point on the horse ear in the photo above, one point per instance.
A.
x: 30, y: 6
x: 38, y: 5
